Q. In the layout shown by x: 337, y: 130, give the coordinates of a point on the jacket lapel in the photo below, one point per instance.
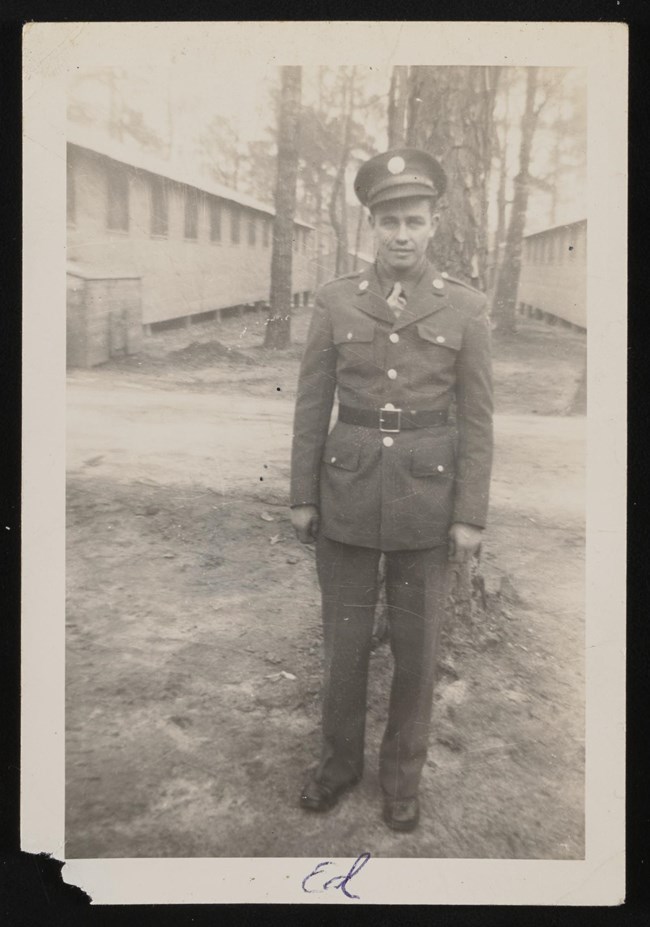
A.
x: 369, y: 299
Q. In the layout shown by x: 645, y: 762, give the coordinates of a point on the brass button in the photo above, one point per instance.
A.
x: 445, y: 275
x: 349, y: 336
x: 387, y: 441
x: 392, y: 374
x: 394, y: 337
x: 440, y: 468
x: 332, y: 459
x: 363, y: 285
x: 440, y: 339
x: 438, y: 284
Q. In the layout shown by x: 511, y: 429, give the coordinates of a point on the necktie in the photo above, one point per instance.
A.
x: 396, y: 299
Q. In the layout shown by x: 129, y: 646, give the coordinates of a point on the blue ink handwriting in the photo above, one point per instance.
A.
x: 339, y: 881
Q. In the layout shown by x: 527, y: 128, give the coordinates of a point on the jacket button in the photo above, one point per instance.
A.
x: 392, y: 374
x: 394, y: 337
x: 332, y: 459
x: 440, y: 339
x: 387, y: 441
x: 440, y: 468
x: 349, y: 336
x: 438, y: 284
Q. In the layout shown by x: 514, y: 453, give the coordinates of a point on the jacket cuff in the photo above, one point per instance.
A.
x: 469, y: 516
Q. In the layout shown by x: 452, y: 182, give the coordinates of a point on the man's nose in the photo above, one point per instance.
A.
x: 402, y: 232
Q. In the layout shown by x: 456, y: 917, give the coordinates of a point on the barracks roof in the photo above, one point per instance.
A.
x: 144, y: 161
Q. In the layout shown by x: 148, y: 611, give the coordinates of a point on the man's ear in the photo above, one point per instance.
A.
x: 371, y: 220
x: 435, y: 219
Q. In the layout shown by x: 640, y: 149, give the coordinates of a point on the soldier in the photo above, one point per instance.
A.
x: 395, y: 344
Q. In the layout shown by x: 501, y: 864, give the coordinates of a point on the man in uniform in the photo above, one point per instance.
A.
x: 396, y: 344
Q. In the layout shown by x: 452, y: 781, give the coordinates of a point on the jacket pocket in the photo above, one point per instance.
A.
x: 436, y: 460
x: 441, y: 335
x: 353, y: 331
x: 340, y: 454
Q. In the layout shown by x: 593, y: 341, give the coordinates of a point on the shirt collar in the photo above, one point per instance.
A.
x: 388, y: 280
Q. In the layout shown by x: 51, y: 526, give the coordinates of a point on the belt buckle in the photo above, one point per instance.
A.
x: 383, y: 421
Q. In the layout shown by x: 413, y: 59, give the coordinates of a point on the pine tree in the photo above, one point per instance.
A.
x: 278, y: 328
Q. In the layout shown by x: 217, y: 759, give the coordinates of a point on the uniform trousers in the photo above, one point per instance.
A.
x: 416, y: 587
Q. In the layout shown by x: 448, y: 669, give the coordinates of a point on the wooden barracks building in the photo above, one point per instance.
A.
x: 553, y: 281
x: 147, y: 243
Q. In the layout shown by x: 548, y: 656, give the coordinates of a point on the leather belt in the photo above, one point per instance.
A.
x: 392, y: 420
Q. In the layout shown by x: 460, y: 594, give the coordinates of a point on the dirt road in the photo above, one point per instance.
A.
x: 193, y: 661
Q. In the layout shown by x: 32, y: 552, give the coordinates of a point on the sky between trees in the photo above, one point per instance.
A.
x: 223, y: 125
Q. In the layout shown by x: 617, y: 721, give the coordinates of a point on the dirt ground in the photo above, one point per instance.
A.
x: 193, y: 638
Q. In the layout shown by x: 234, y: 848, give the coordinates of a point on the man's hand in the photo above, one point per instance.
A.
x: 463, y: 542
x: 305, y: 519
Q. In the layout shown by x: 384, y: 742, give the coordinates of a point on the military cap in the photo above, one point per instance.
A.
x: 398, y: 174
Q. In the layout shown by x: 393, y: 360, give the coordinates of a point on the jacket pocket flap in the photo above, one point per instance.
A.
x: 434, y: 460
x: 443, y: 335
x: 342, y: 457
x: 353, y: 330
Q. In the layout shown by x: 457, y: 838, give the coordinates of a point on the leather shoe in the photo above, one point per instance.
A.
x: 318, y: 796
x: 402, y: 814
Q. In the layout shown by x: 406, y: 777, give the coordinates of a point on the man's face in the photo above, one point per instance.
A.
x: 403, y: 229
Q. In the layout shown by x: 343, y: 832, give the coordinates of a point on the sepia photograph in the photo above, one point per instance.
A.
x: 326, y: 422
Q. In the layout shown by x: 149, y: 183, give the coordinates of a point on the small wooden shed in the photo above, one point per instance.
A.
x: 104, y: 315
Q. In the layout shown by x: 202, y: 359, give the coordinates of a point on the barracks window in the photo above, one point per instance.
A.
x: 191, y: 213
x: 159, y: 221
x: 117, y: 191
x: 235, y: 226
x: 252, y: 232
x: 215, y: 221
x: 266, y: 232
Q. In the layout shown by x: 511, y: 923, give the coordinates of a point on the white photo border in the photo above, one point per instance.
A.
x: 52, y: 51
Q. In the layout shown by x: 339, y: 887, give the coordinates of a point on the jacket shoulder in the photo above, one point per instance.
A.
x: 459, y: 282
x: 354, y: 275
x: 467, y: 296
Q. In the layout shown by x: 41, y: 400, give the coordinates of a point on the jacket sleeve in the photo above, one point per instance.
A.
x: 474, y: 403
x: 316, y: 389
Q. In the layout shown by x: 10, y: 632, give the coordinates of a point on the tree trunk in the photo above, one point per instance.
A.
x: 397, y: 105
x: 319, y: 232
x: 450, y: 115
x: 278, y: 325
x: 502, y: 154
x: 555, y: 173
x: 505, y: 297
x: 357, y: 238
x: 578, y: 404
x: 338, y: 204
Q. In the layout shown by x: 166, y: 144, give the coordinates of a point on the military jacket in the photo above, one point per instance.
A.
x: 399, y: 491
